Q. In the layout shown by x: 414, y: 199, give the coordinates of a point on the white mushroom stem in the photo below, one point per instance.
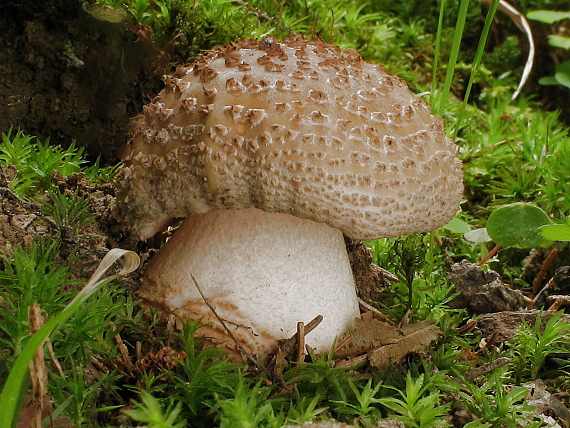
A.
x: 261, y: 272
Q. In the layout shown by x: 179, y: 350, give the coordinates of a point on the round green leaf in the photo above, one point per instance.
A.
x: 516, y: 225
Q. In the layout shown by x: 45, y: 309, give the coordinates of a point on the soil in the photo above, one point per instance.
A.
x: 70, y: 76
x: 482, y: 292
x: 22, y: 223
x: 502, y: 326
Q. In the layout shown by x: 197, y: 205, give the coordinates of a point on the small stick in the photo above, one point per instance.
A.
x: 557, y: 301
x: 97, y: 363
x: 122, y: 348
x: 546, y: 287
x: 247, y: 356
x: 37, y: 366
x: 364, y: 307
x: 405, y: 319
x: 494, y: 251
x: 556, y: 305
x: 351, y: 362
x: 313, y: 324
x: 342, y: 343
x: 467, y: 328
x: 529, y: 302
x: 288, y: 345
x: 279, y: 363
x: 387, y: 274
x: 54, y: 359
x: 138, y: 348
x: 486, y: 368
x: 300, y: 341
x: 545, y: 265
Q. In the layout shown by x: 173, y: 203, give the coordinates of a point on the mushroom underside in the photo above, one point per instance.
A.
x: 261, y: 272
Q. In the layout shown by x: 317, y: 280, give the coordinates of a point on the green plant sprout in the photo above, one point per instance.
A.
x: 534, y: 344
x: 250, y: 407
x: 306, y: 409
x: 494, y: 406
x: 366, y: 401
x: 34, y: 162
x: 419, y: 406
x: 68, y: 210
x: 150, y: 412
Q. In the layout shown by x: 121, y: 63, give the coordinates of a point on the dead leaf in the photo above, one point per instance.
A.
x: 385, y: 342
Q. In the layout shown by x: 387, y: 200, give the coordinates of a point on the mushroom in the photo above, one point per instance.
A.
x: 271, y: 151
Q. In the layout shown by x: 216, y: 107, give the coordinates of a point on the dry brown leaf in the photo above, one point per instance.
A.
x: 387, y: 343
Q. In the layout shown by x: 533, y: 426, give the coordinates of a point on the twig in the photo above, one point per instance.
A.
x: 387, y: 274
x: 241, y: 349
x: 557, y: 301
x: 351, y: 362
x: 263, y: 17
x: 288, y: 345
x: 279, y: 363
x: 546, y: 287
x: 494, y: 251
x: 486, y: 368
x: 342, y: 343
x: 365, y: 307
x: 122, y: 348
x: 467, y: 328
x: 300, y: 341
x: 35, y: 209
x: 545, y: 265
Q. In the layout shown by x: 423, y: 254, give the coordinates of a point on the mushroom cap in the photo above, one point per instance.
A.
x: 295, y: 126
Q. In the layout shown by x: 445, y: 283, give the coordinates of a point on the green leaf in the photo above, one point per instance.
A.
x: 559, y: 41
x: 556, y: 232
x: 562, y: 73
x: 477, y: 236
x: 516, y: 225
x: 548, y: 81
x: 457, y: 225
x: 548, y: 16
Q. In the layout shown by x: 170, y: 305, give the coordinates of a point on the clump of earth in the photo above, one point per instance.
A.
x: 70, y: 74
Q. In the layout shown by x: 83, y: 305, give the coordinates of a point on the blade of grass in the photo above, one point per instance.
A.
x: 12, y: 388
x: 493, y: 5
x: 436, y: 52
x: 453, y: 55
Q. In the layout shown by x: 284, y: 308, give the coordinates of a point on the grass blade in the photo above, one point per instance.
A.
x: 453, y: 55
x: 493, y: 5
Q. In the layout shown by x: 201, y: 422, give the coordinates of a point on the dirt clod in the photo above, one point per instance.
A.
x: 482, y: 292
x: 504, y: 325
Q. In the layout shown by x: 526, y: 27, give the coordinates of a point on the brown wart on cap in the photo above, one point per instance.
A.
x: 272, y: 150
